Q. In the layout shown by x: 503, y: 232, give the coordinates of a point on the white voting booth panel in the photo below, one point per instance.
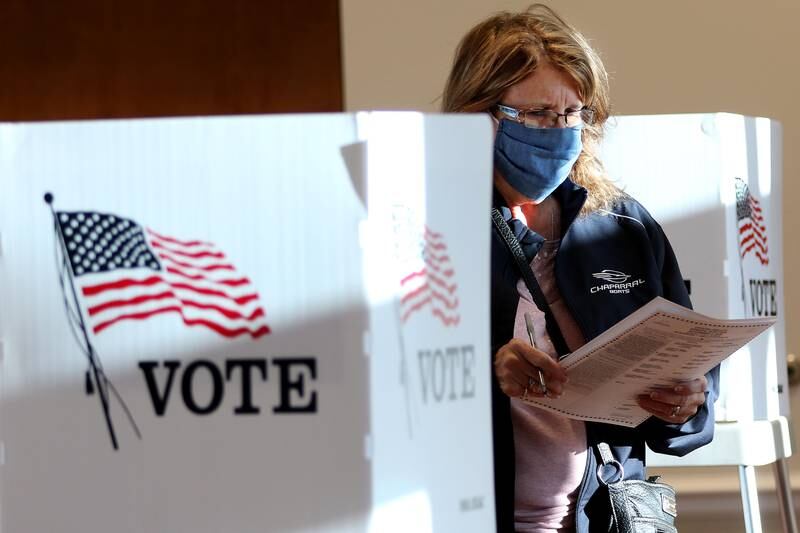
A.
x: 292, y: 360
x: 429, y: 375
x: 713, y: 181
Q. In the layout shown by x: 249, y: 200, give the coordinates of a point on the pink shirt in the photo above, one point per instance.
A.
x: 550, y: 448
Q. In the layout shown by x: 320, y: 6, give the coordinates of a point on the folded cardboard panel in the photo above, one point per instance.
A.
x: 184, y: 327
x: 714, y: 182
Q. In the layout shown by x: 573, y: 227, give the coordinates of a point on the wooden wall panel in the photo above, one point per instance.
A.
x: 62, y: 59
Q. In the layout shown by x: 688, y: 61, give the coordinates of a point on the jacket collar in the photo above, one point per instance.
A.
x: 570, y: 196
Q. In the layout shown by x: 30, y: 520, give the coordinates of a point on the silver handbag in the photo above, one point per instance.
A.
x: 637, y: 506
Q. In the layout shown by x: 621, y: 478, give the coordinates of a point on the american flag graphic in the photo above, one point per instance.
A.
x: 429, y: 279
x: 124, y: 271
x: 750, y: 220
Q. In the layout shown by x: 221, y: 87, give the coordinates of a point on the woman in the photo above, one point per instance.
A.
x: 547, y: 92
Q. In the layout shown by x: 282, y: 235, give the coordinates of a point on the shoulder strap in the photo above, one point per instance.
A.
x: 530, y: 281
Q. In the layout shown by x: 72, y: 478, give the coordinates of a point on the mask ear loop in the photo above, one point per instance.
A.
x: 495, y: 122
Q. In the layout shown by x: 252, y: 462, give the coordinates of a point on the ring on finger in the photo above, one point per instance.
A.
x: 675, y: 410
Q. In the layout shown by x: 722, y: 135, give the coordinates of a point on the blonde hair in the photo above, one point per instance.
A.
x: 506, y: 48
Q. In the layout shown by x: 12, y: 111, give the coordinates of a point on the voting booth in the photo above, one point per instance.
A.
x: 246, y: 324
x: 714, y: 182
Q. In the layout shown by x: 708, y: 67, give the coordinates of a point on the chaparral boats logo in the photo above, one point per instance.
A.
x: 616, y: 282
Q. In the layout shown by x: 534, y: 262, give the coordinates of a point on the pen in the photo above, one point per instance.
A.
x: 529, y: 327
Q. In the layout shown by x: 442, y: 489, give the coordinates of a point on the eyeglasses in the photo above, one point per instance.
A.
x: 547, y: 118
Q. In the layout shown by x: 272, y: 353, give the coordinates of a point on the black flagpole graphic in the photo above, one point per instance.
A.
x: 404, y: 378
x: 100, y: 380
x: 741, y: 211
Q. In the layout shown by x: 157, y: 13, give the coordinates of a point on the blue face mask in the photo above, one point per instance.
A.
x: 535, y: 161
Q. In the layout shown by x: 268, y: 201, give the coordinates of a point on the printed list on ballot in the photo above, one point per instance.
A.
x: 659, y: 345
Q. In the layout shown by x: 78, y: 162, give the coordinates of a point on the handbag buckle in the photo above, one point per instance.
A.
x: 610, y: 472
x: 668, y: 504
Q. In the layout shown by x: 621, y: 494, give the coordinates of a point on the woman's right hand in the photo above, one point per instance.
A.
x: 517, y: 365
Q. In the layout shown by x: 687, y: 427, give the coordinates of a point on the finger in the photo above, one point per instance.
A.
x: 695, y: 401
x: 510, y: 365
x: 696, y: 385
x: 673, y: 398
x: 516, y: 372
x: 538, y: 359
x: 542, y: 387
x: 680, y: 393
x: 667, y: 412
x: 510, y: 386
x: 667, y: 397
x: 514, y: 382
x: 654, y: 406
x: 538, y: 384
x: 514, y: 389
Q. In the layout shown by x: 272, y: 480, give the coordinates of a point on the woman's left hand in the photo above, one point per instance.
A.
x: 678, y: 404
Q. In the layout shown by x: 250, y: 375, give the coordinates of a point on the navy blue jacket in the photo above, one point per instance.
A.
x: 626, y: 239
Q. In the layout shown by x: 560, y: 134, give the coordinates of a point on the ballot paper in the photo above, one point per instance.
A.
x: 659, y: 345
